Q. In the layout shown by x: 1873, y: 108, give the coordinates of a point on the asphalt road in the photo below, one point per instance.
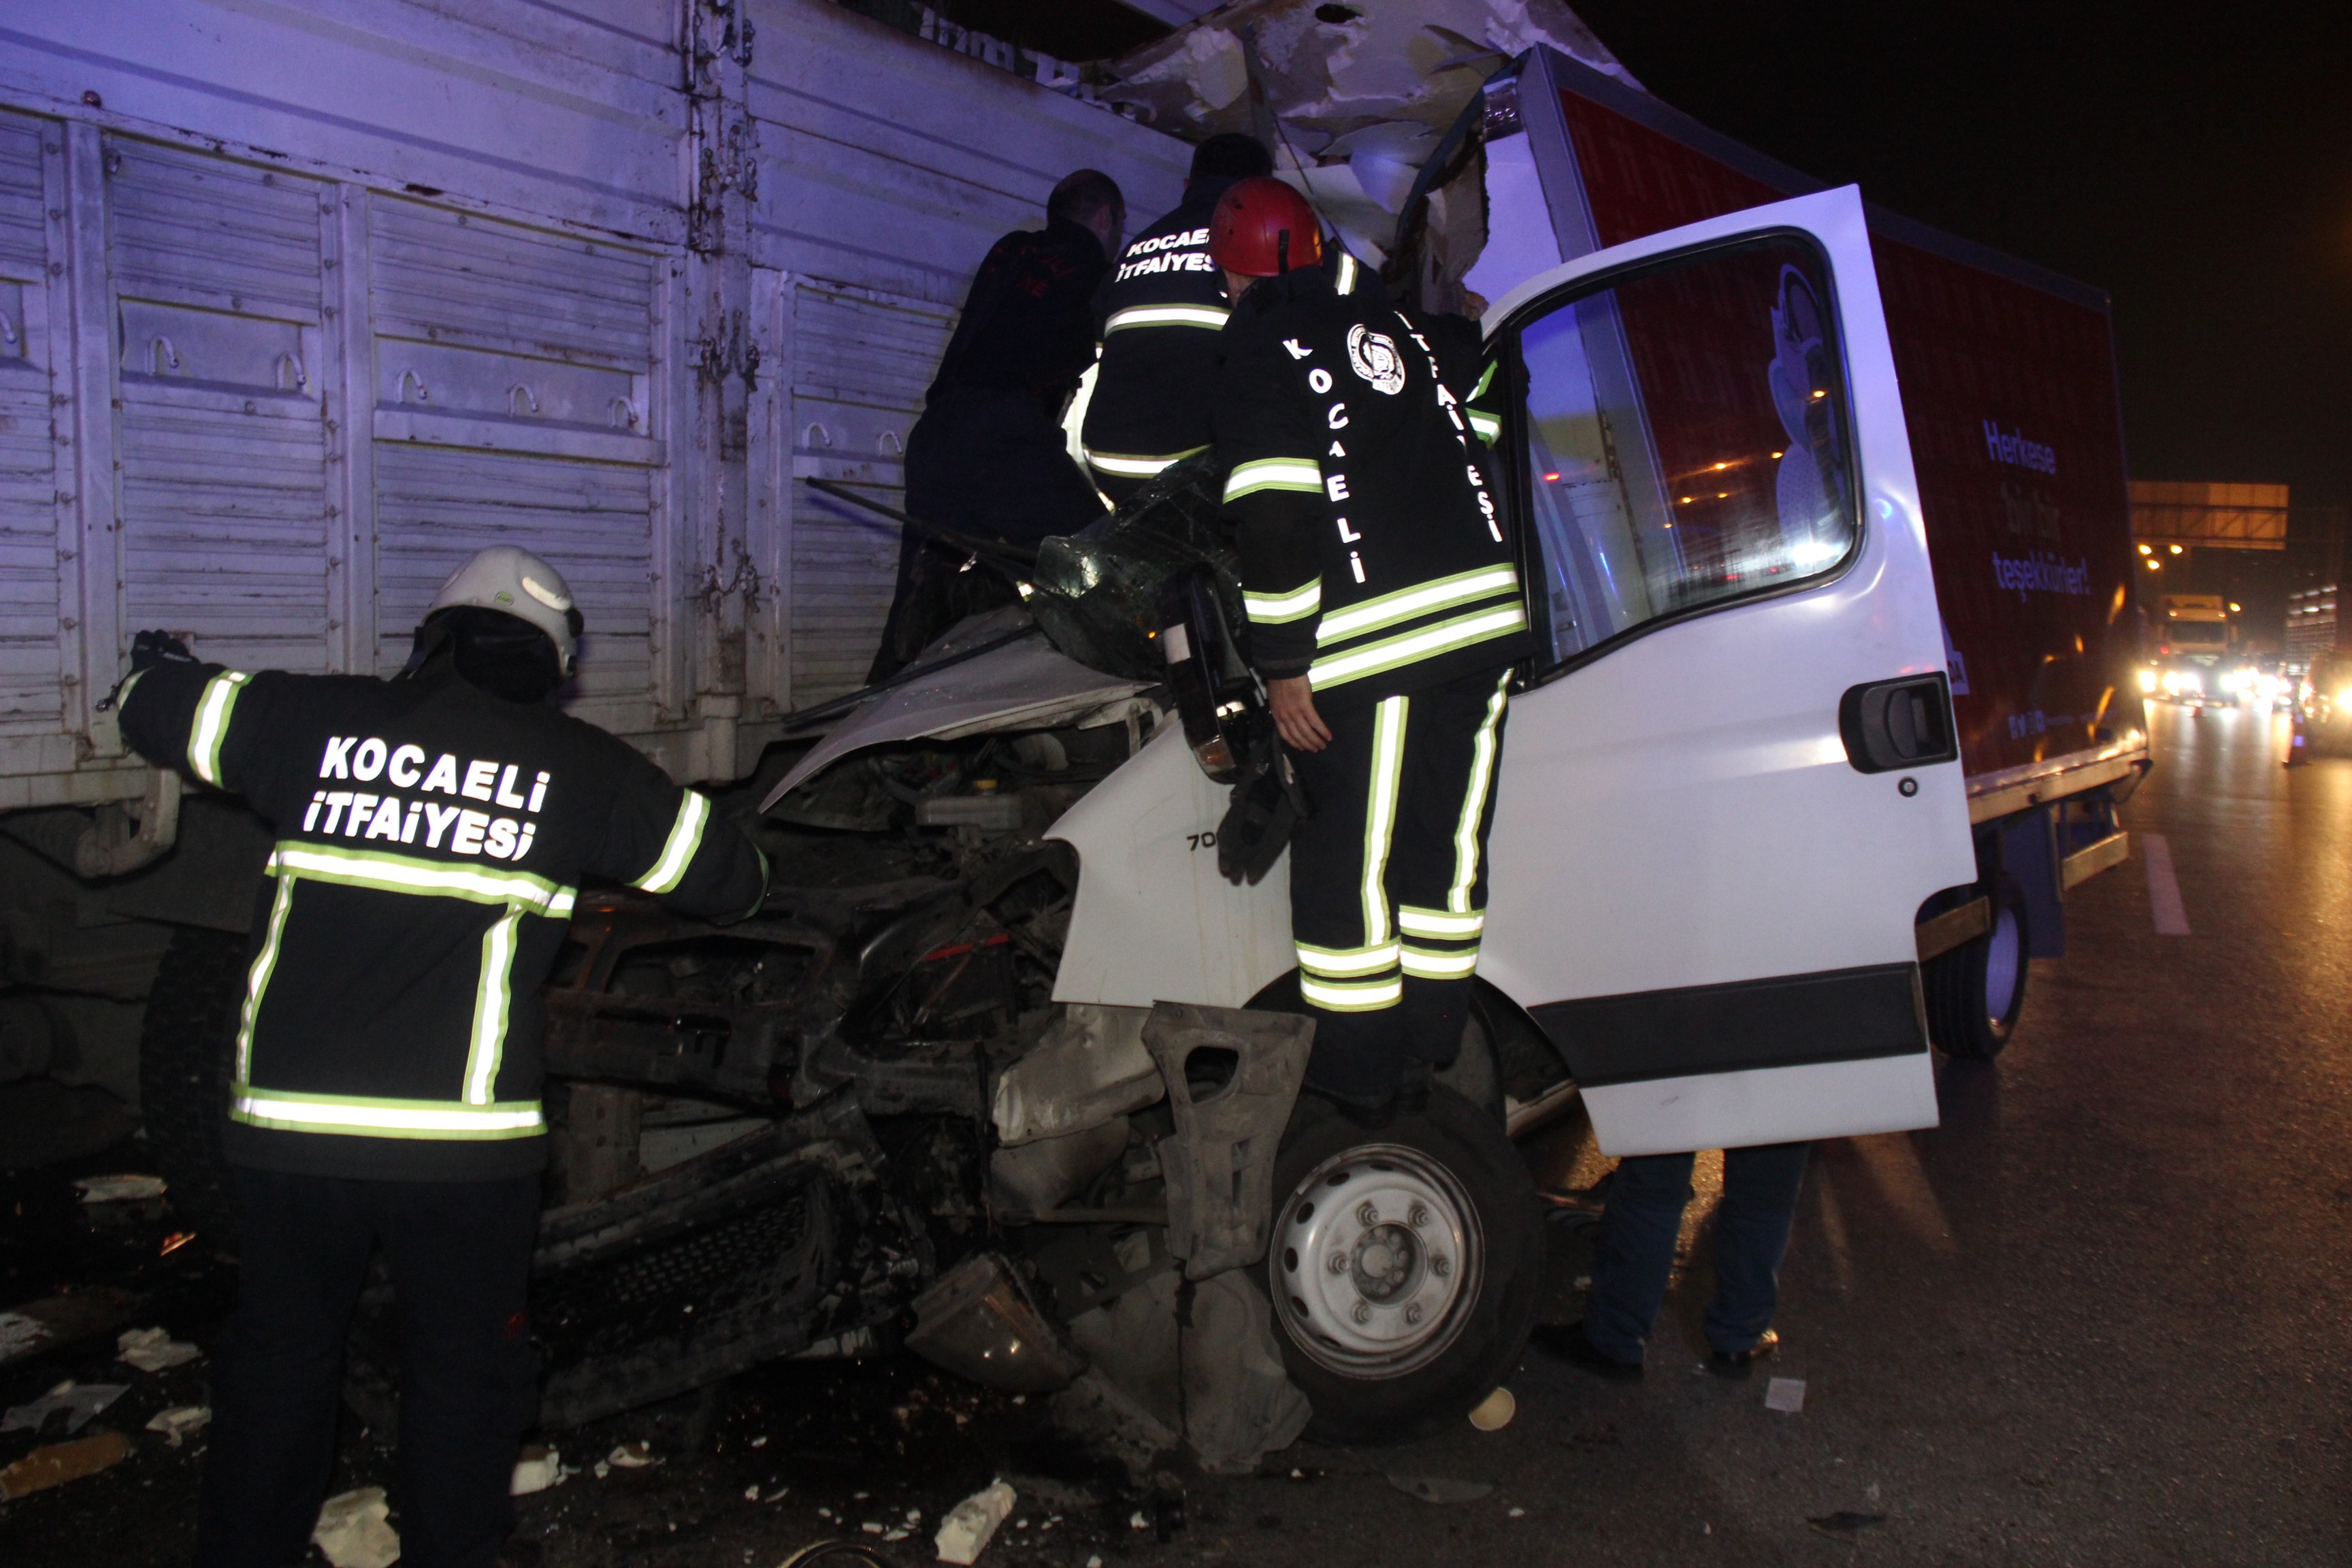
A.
x: 2094, y: 1318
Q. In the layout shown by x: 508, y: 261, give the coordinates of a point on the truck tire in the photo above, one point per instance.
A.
x: 187, y: 1058
x: 1976, y: 992
x: 1434, y: 1223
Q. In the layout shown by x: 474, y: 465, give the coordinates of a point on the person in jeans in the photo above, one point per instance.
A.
x: 1635, y: 1254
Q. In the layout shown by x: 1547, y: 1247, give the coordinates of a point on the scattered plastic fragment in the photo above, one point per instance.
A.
x: 180, y: 1421
x: 965, y: 1533
x: 761, y: 1441
x: 632, y: 1457
x: 776, y: 1495
x: 870, y: 1528
x: 601, y: 1469
x: 538, y: 1468
x: 1441, y: 1488
x: 1518, y: 1513
x: 62, y: 1462
x: 118, y: 1189
x: 353, y: 1532
x: 176, y: 1240
x: 1785, y: 1395
x: 895, y: 1535
x: 1094, y: 1562
x: 153, y: 1350
x: 1137, y: 1521
x: 1843, y: 1524
x: 1494, y: 1411
x: 79, y: 1402
x: 19, y: 1333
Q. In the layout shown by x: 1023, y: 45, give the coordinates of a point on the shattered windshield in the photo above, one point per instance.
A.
x: 1096, y: 592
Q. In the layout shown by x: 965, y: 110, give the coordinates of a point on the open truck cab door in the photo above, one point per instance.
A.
x: 1731, y: 777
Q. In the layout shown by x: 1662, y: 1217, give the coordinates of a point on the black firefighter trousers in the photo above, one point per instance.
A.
x: 459, y: 1253
x: 1388, y: 880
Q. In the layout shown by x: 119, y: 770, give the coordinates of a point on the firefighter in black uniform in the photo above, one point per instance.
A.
x: 432, y: 833
x: 1385, y: 612
x: 1161, y: 310
x: 988, y: 456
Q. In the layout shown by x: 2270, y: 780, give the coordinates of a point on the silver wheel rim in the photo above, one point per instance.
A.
x: 1376, y: 1262
x: 2003, y: 962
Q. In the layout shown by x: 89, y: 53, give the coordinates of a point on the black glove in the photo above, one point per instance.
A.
x: 1267, y: 804
x: 148, y: 649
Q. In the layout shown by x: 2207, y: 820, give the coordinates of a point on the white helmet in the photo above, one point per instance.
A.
x: 521, y: 585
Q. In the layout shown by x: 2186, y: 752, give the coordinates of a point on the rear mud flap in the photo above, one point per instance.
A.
x: 1232, y: 1077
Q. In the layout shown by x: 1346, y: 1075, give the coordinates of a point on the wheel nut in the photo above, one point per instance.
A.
x: 1413, y: 1313
x: 1363, y: 1312
x: 1338, y: 1264
x: 1367, y: 1215
x: 1441, y: 1265
x: 1418, y: 1217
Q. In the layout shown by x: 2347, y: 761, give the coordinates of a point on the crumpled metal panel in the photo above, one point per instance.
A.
x: 1219, y: 1165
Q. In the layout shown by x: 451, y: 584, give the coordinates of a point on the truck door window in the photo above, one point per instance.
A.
x: 1687, y: 441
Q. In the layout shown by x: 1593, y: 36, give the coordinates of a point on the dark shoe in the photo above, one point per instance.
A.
x: 1569, y: 1344
x: 1740, y: 1364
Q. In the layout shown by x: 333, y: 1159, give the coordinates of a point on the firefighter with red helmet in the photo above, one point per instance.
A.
x: 1385, y: 613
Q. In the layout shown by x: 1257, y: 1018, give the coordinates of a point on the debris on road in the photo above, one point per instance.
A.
x: 80, y: 1401
x: 118, y: 1189
x: 1441, y: 1488
x: 964, y: 1534
x: 153, y: 1350
x: 1843, y: 1524
x: 354, y: 1531
x: 61, y: 1462
x: 1785, y: 1395
x: 37, y: 1328
x: 632, y: 1457
x: 178, y: 1421
x: 537, y: 1468
x: 1494, y: 1411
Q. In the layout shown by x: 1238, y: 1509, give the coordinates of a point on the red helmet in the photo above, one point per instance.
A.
x: 1245, y: 235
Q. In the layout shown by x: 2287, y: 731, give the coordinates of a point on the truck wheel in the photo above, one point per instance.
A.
x: 1976, y: 991
x: 1405, y: 1266
x: 186, y: 1057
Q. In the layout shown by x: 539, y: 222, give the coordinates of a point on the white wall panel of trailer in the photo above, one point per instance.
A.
x: 302, y: 303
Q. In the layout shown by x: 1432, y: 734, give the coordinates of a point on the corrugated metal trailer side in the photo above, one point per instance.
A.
x: 299, y: 306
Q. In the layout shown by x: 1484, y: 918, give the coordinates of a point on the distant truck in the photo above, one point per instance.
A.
x: 2192, y: 624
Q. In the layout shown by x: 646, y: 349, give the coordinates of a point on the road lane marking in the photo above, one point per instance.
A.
x: 2164, y: 888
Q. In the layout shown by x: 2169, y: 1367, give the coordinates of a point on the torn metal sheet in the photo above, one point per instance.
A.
x: 1023, y: 682
x: 1384, y: 62
x: 1220, y: 1163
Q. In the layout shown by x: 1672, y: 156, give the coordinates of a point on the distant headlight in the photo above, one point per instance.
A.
x: 2343, y: 699
x: 2148, y: 680
x: 2192, y: 681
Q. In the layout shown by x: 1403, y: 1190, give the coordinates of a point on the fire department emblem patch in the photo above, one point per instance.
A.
x: 1375, y: 358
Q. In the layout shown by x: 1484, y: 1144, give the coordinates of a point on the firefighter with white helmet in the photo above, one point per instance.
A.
x: 431, y: 833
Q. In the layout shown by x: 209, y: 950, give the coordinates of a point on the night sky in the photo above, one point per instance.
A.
x: 2195, y: 162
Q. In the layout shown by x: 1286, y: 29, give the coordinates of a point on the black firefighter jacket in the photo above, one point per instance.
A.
x: 1373, y: 559
x: 431, y: 840
x: 1161, y: 310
